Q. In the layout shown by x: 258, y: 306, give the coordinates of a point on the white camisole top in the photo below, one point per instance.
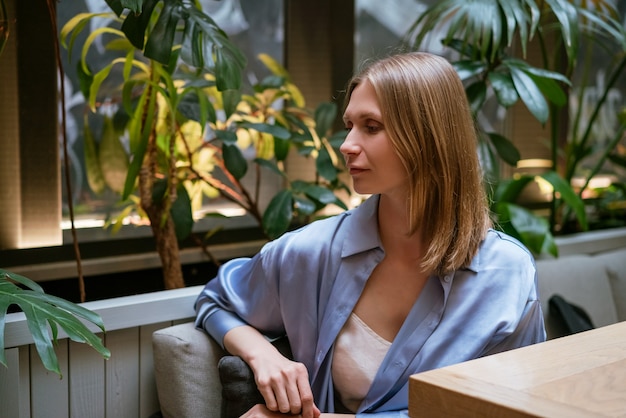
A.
x: 359, y: 351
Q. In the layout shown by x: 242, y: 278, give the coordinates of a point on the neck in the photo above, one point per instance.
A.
x: 393, y: 226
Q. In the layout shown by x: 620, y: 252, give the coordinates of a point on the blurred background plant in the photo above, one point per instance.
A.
x: 183, y: 130
x: 490, y: 41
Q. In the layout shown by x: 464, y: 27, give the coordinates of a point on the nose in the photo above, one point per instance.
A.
x: 349, y: 145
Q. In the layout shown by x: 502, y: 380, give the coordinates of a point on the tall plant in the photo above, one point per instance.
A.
x: 45, y: 314
x: 491, y: 39
x: 192, y: 130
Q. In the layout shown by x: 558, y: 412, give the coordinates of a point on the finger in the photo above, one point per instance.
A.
x: 282, y: 398
x: 268, y: 395
x: 294, y: 393
x: 309, y: 410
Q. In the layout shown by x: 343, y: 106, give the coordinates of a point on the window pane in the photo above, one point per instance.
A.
x: 253, y: 26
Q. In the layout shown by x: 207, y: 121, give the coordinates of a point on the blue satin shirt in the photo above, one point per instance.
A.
x: 306, y: 283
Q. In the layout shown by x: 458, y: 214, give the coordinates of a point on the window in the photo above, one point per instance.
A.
x: 254, y: 26
x: 32, y: 181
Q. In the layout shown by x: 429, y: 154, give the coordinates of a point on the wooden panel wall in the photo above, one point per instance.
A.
x: 120, y: 387
x: 91, y: 387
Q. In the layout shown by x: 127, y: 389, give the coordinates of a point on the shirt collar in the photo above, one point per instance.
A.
x: 362, y: 228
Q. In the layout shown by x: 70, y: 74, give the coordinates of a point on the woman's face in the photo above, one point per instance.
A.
x: 373, y: 163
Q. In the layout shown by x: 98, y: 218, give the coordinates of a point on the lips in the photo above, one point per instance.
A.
x: 353, y: 170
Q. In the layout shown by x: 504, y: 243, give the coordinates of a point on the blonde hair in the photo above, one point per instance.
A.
x: 427, y: 118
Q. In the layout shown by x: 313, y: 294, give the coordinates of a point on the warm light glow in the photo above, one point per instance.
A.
x: 534, y: 163
x: 600, y: 181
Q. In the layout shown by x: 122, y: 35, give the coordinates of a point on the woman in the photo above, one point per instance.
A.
x: 412, y: 279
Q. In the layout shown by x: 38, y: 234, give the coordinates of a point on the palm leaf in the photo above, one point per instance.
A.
x: 44, y: 314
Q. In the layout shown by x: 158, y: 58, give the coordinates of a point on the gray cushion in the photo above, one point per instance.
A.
x: 582, y: 280
x: 615, y: 262
x: 185, y: 369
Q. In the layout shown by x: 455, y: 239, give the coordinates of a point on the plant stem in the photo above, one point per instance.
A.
x: 596, y: 111
x: 66, y: 159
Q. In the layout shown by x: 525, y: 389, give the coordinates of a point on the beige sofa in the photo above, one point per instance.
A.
x: 185, y: 359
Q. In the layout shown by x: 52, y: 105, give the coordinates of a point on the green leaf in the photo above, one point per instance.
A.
x: 95, y: 179
x: 235, y: 162
x: 274, y: 130
x: 281, y: 148
x: 304, y: 206
x: 529, y: 228
x: 112, y: 157
x: 43, y: 311
x: 476, y: 94
x: 505, y: 148
x: 227, y: 69
x: 278, y: 214
x: 226, y: 136
x: 568, y: 195
x: 468, y: 68
x: 551, y: 90
x: 319, y: 193
x: 324, y: 165
x: 567, y: 16
x: 231, y: 99
x: 135, y: 24
x: 182, y: 214
x: 530, y: 94
x: 510, y: 189
x: 325, y: 114
x: 161, y: 38
x: 135, y: 6
x: 139, y: 136
x: 337, y: 139
x: 504, y: 88
x: 116, y: 6
x: 271, y: 166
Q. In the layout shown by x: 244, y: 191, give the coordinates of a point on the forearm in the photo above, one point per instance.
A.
x: 249, y: 344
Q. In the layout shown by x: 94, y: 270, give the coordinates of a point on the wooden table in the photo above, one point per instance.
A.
x: 582, y: 375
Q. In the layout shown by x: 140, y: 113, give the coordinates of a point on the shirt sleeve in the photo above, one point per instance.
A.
x: 530, y: 330
x: 240, y: 294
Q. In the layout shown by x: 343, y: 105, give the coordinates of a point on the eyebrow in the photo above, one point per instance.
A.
x: 363, y: 115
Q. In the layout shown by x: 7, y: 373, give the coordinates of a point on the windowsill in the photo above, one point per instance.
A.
x: 130, y: 249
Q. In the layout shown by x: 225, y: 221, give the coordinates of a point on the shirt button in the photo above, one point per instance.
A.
x: 447, y: 278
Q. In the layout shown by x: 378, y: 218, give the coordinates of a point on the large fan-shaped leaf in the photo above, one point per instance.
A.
x: 43, y: 311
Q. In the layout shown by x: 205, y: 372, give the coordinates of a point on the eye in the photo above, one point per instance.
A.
x: 372, y: 129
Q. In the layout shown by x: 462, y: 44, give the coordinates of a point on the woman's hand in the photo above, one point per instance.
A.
x: 261, y: 411
x: 284, y: 384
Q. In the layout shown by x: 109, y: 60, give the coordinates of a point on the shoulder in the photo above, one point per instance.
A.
x: 499, y: 248
x: 312, y: 237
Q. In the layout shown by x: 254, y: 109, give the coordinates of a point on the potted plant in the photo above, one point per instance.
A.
x: 193, y: 131
x: 491, y: 40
